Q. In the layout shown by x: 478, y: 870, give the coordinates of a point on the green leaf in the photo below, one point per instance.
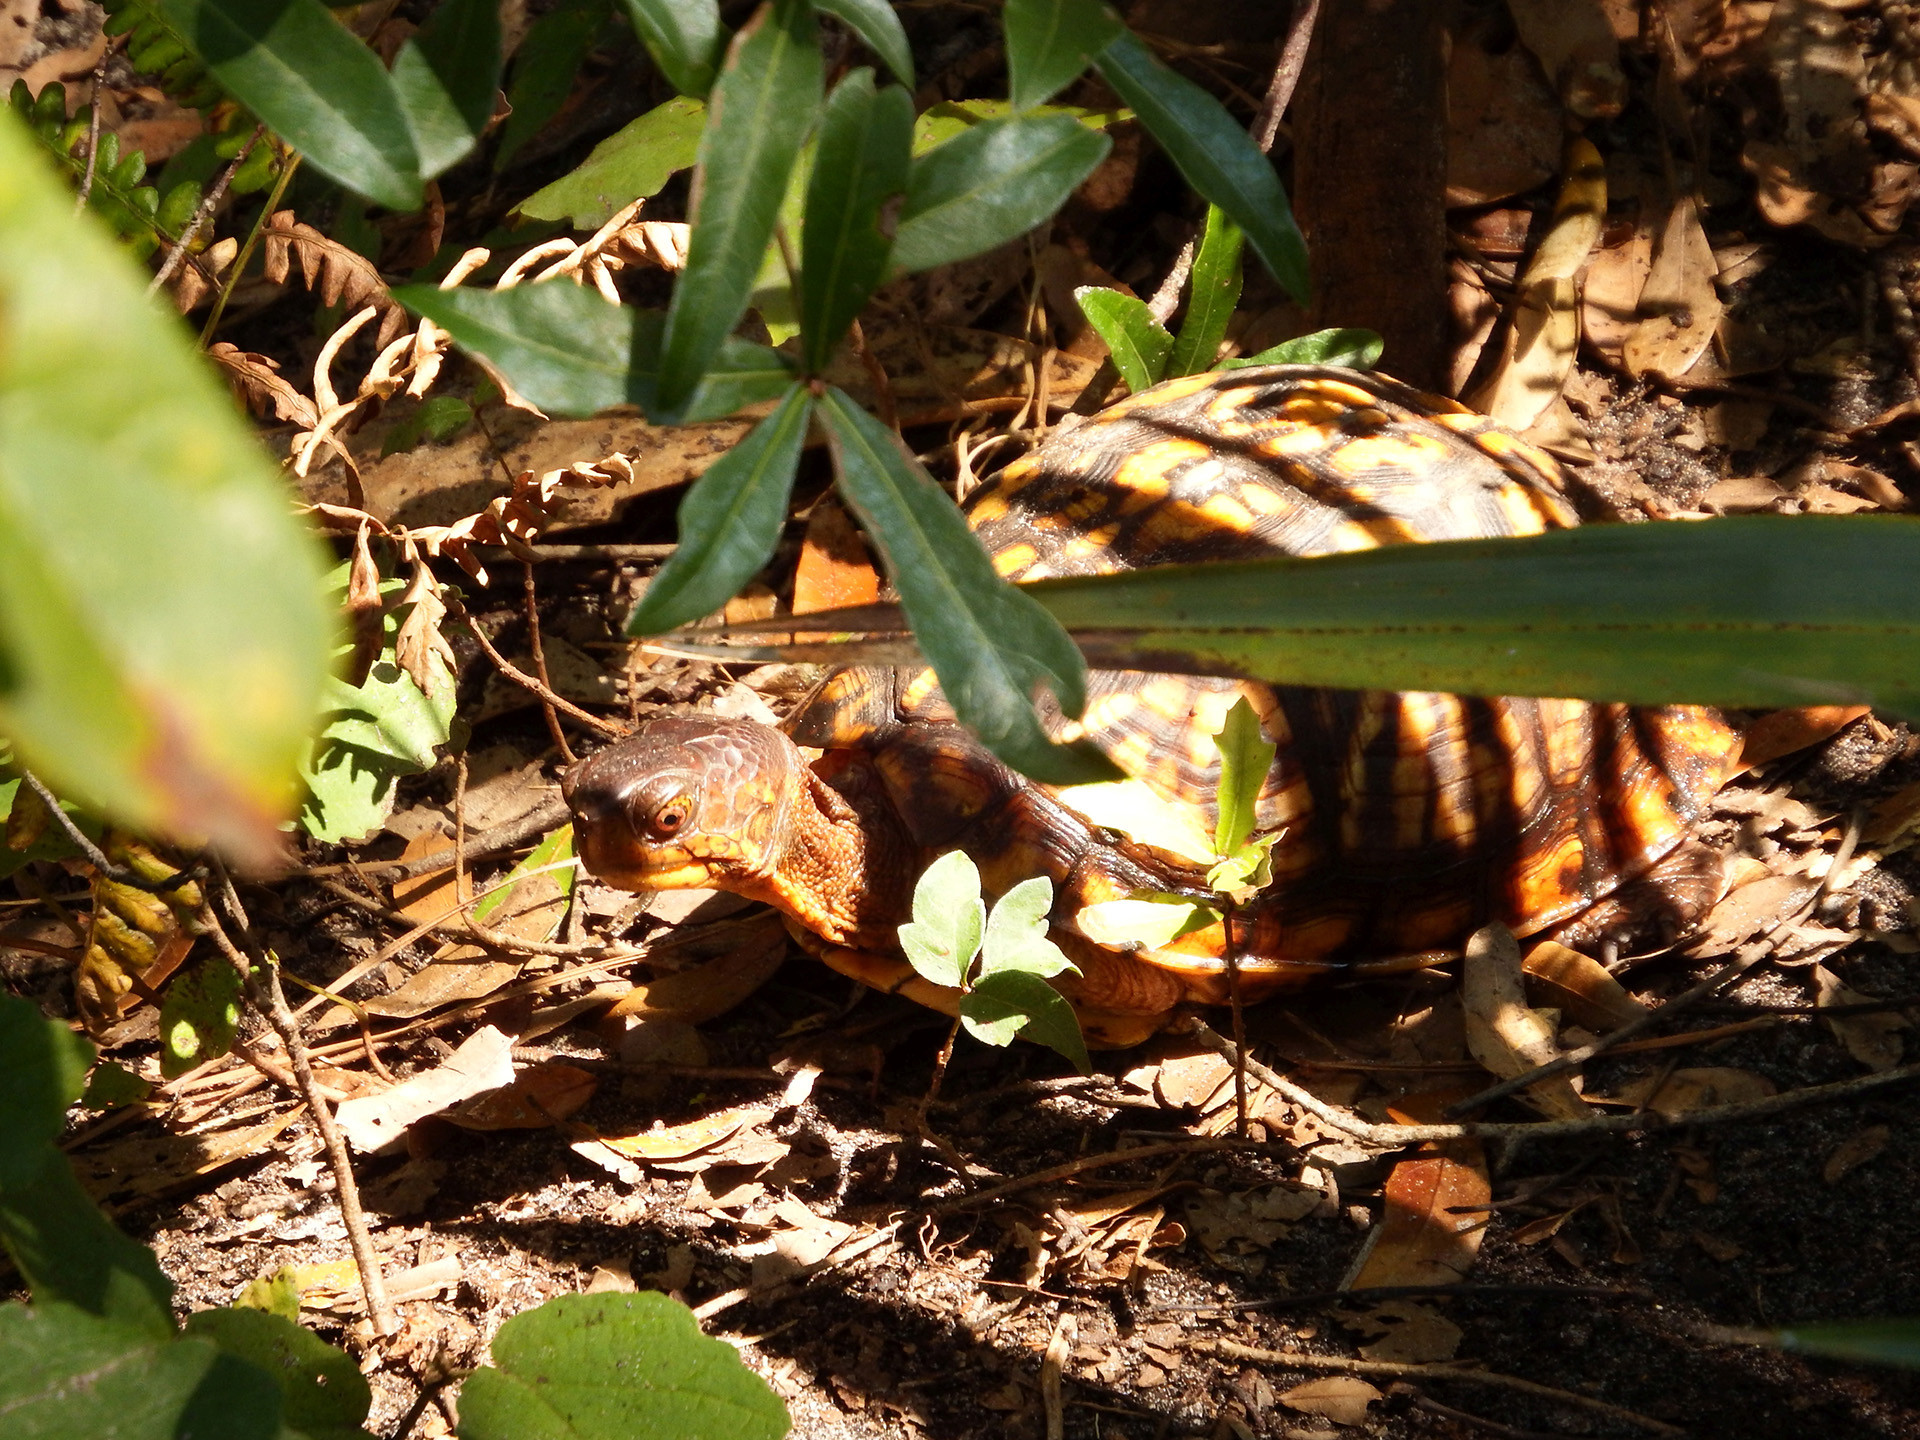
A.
x: 730, y: 521
x: 438, y: 419
x: 859, y: 175
x: 1049, y: 43
x: 1356, y: 349
x: 990, y: 183
x: 948, y: 919
x: 1879, y: 1342
x: 1150, y: 920
x: 1249, y: 867
x: 1246, y: 756
x: 879, y: 29
x: 556, y: 847
x: 1214, y: 154
x: 163, y: 632
x: 71, y: 1374
x: 1213, y: 290
x: 555, y: 47
x: 1737, y: 612
x: 763, y: 107
x: 199, y: 1015
x: 277, y: 1294
x: 376, y: 732
x: 315, y: 84
x: 606, y: 1367
x: 571, y: 353
x: 323, y: 1395
x: 987, y: 642
x: 1017, y: 1003
x: 631, y: 164
x: 1017, y: 933
x: 685, y: 39
x: 52, y: 843
x: 940, y: 123
x: 69, y: 1252
x: 112, y: 1085
x: 446, y: 75
x: 46, y: 1066
x: 1138, y: 343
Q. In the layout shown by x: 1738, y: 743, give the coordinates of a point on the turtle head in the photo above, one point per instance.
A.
x: 694, y: 802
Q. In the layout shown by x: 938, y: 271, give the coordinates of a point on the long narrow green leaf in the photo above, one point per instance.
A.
x: 879, y: 28
x: 1049, y: 43
x: 163, y: 637
x: 571, y: 353
x: 1741, y: 611
x: 630, y: 164
x: 446, y: 76
x: 543, y: 69
x: 316, y: 86
x: 763, y: 106
x: 685, y: 39
x: 1138, y: 343
x: 989, y: 644
x: 1357, y: 349
x: 990, y: 183
x: 860, y: 167
x: 1882, y: 1342
x: 729, y: 521
x: 1213, y: 153
x: 1213, y: 291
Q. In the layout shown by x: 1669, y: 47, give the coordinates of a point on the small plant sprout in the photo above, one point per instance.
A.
x: 1000, y: 962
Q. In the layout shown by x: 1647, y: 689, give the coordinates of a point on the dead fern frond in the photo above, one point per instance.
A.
x: 258, y: 384
x: 336, y: 272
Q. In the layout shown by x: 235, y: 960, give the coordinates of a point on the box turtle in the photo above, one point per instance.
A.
x: 1403, y: 820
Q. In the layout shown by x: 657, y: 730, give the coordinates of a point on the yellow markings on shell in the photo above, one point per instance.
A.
x: 1265, y: 499
x: 1228, y: 513
x: 1352, y: 535
x: 1342, y: 394
x: 1392, y: 450
x: 1524, y: 780
x: 919, y: 690
x: 1529, y: 512
x: 1386, y: 530
x: 1144, y: 477
x: 1011, y: 561
x: 1174, y: 523
x: 989, y: 507
x: 1164, y: 393
x: 1569, y: 737
x: 1650, y: 822
x: 1540, y: 886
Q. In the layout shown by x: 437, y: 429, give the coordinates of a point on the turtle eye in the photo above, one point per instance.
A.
x: 668, y: 819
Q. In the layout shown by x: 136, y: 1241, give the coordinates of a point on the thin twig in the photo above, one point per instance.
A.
x: 1286, y: 75
x: 263, y: 983
x: 1083, y: 1163
x: 510, y: 835
x: 289, y: 163
x: 603, y: 728
x: 203, y: 212
x: 539, y: 654
x: 1302, y: 1360
x: 1394, y: 1136
x: 96, y: 857
x: 93, y: 127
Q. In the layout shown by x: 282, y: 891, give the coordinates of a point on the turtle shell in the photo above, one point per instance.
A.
x: 1403, y: 821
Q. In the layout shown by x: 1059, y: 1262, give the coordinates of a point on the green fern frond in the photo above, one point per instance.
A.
x: 156, y: 48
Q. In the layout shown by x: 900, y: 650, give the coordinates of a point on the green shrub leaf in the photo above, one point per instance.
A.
x: 940, y: 123
x: 1356, y: 349
x: 685, y: 39
x: 1138, y: 343
x: 1017, y: 932
x: 949, y: 918
x: 1018, y: 1003
x: 991, y: 182
x: 163, y: 630
x: 198, y: 1015
x: 1213, y: 153
x: 987, y: 642
x: 859, y: 174
x: 1049, y: 43
x: 879, y: 29
x: 70, y: 1253
x: 1246, y: 756
x: 631, y: 164
x: 69, y: 1373
x: 1721, y: 612
x: 446, y: 75
x: 46, y: 1066
x: 605, y: 1367
x: 763, y: 108
x: 1880, y: 1342
x: 323, y: 1395
x: 315, y: 84
x: 1213, y: 289
x: 730, y: 521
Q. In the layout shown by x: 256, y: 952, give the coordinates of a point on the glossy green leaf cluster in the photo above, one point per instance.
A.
x: 999, y: 960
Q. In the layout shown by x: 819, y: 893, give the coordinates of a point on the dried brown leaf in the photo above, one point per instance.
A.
x: 1435, y: 1215
x: 1685, y: 1091
x: 483, y: 1062
x: 1503, y: 1033
x: 341, y: 275
x: 1342, y: 1399
x: 1562, y: 979
x: 1575, y: 44
x: 257, y: 382
x: 1873, y: 1038
x: 1856, y: 1150
x: 1679, y: 304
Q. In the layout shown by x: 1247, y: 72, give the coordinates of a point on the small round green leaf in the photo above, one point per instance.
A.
x: 948, y: 919
x: 1017, y: 1003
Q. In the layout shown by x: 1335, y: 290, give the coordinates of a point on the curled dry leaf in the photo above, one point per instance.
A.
x: 1342, y: 1399
x: 1856, y: 1150
x: 1504, y: 123
x: 1503, y: 1033
x: 1544, y: 329
x: 419, y: 646
x: 835, y: 567
x: 1406, y: 1332
x: 1610, y: 294
x: 483, y: 1062
x: 258, y: 384
x: 1679, y: 305
x: 539, y: 1096
x: 1783, y: 732
x: 1685, y: 1091
x: 1579, y: 986
x: 1873, y: 1038
x: 1755, y: 909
